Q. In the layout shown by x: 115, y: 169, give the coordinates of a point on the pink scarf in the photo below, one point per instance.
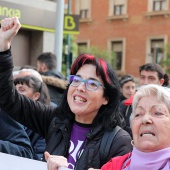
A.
x: 158, y: 160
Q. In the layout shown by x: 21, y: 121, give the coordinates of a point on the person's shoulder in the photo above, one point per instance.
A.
x: 122, y: 104
x: 116, y: 163
x: 53, y: 104
x: 122, y: 134
x: 129, y: 101
x: 123, y: 140
x: 55, y: 81
x: 56, y: 74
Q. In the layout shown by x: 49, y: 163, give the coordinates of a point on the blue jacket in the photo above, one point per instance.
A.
x: 37, y: 142
x: 13, y: 138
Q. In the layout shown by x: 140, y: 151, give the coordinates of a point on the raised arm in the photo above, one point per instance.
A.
x: 9, y: 28
x: 30, y: 113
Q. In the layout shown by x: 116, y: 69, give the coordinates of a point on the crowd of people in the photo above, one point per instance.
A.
x: 93, y: 120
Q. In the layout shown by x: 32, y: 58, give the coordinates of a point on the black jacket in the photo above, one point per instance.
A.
x: 126, y: 112
x: 43, y: 119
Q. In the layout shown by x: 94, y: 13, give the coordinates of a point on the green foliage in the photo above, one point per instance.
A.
x: 166, y: 62
x: 73, y: 45
x: 104, y: 54
x: 73, y: 50
x: 64, y: 69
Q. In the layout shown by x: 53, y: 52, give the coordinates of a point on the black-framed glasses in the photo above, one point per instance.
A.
x: 90, y: 84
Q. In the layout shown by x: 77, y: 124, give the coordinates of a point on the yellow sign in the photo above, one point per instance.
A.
x: 38, y: 19
x: 9, y: 12
x: 71, y: 24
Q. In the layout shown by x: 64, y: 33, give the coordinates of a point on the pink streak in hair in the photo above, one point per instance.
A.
x: 103, y: 64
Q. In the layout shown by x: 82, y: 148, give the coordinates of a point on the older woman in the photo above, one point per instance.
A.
x: 89, y: 110
x: 150, y: 122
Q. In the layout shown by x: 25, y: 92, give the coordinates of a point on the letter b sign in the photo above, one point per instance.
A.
x: 71, y: 24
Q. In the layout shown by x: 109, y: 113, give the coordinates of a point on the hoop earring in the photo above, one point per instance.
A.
x: 132, y: 143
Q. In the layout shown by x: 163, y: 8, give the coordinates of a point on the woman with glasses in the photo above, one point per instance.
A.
x: 75, y: 130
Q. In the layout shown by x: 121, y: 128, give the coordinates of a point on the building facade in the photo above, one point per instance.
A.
x: 136, y: 30
x: 37, y: 32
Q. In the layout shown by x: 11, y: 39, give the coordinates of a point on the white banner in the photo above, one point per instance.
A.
x: 11, y: 162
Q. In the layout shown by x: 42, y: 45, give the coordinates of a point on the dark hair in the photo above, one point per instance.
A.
x: 108, y: 115
x: 157, y: 68
x: 126, y: 78
x: 49, y: 59
x: 37, y: 86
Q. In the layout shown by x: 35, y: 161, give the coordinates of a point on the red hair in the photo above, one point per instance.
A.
x: 101, y: 65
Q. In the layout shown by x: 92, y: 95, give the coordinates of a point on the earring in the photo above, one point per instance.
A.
x: 132, y: 143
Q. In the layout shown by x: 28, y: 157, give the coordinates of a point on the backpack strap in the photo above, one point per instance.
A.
x: 106, y: 143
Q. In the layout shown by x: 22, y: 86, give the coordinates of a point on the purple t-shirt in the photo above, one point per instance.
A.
x: 77, y: 143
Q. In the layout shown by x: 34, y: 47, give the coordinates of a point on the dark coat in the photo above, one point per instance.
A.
x: 38, y: 144
x: 56, y: 85
x: 47, y: 124
x: 126, y: 111
x: 13, y: 138
x: 61, y: 130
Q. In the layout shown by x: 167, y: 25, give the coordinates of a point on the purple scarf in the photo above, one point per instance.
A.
x: 158, y: 160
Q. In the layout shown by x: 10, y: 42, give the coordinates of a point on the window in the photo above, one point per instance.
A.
x: 83, y: 8
x: 157, y: 8
x: 117, y: 7
x: 82, y: 46
x: 117, y: 48
x: 159, y: 5
x: 84, y: 13
x: 157, y: 46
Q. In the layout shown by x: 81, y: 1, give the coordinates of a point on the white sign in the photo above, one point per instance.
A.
x: 10, y: 162
x: 62, y: 168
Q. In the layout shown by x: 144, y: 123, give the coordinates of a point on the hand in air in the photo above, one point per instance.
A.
x: 9, y: 28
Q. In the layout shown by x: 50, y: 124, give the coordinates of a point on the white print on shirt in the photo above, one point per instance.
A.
x: 75, y: 149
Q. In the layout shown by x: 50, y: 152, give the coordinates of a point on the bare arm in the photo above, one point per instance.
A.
x: 9, y: 28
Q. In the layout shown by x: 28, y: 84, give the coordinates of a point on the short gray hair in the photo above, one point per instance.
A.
x: 162, y: 94
x: 31, y: 71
